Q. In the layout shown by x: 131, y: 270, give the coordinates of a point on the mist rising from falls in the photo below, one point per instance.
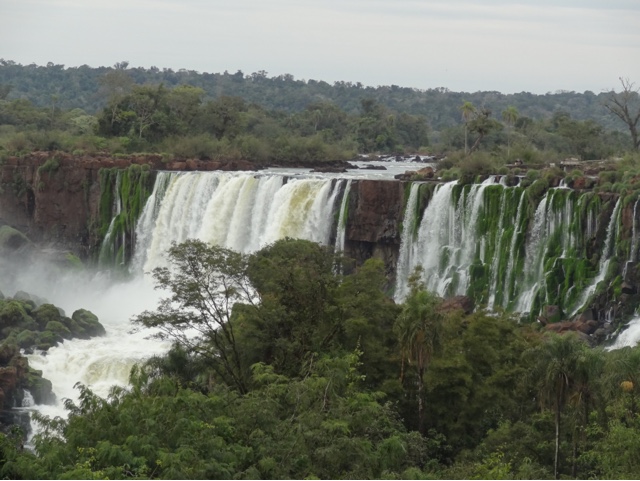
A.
x: 240, y: 211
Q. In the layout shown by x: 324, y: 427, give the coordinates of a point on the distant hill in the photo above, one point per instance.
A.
x: 78, y: 87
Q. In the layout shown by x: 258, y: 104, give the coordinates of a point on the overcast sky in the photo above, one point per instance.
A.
x: 510, y: 46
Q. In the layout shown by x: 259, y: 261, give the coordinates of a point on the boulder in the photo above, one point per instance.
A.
x: 457, y: 303
x: 426, y: 172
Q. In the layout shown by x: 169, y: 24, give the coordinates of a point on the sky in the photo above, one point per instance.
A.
x: 509, y: 46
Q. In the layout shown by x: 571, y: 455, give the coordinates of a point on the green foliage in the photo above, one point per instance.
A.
x: 50, y: 166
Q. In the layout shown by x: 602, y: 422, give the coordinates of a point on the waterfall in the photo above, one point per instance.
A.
x: 342, y: 220
x: 517, y: 233
x: 446, y: 242
x: 496, y: 258
x: 487, y: 241
x: 108, y: 246
x: 27, y: 399
x: 239, y: 211
x: 605, y: 258
x: 406, y: 260
x: 633, y: 252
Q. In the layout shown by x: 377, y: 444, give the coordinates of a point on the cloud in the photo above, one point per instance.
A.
x: 505, y: 44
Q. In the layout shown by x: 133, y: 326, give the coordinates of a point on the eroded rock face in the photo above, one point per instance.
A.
x: 51, y: 197
x: 373, y: 225
x: 375, y: 211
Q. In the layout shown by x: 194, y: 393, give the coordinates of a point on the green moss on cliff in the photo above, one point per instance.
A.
x: 123, y: 195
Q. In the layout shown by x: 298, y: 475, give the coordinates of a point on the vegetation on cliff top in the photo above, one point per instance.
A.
x: 183, y: 114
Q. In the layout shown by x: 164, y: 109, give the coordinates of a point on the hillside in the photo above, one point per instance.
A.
x: 79, y: 87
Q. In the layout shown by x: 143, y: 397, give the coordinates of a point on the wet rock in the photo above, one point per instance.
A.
x: 458, y: 303
x: 552, y: 313
x: 22, y: 296
x: 330, y: 169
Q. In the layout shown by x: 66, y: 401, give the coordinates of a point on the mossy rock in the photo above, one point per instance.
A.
x: 38, y: 301
x: 12, y: 313
x: 75, y: 328
x: 12, y: 240
x: 48, y: 339
x: 59, y: 329
x: 39, y: 387
x: 88, y: 321
x: 45, y: 314
x: 73, y: 262
x: 27, y: 339
x: 22, y: 296
x: 7, y: 352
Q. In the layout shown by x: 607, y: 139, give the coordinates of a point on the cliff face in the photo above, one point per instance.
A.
x: 68, y: 201
x: 373, y: 224
x: 53, y: 198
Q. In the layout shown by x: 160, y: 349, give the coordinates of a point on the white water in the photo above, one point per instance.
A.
x: 342, y: 220
x: 446, y: 243
x: 605, y: 258
x: 27, y: 400
x: 239, y: 211
x: 235, y: 210
x: 407, y: 255
x: 630, y: 337
x: 100, y: 362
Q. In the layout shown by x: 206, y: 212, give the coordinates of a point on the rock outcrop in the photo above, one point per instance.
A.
x: 373, y: 224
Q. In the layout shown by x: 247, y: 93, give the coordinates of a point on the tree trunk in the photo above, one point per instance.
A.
x: 420, y: 400
x: 555, y: 461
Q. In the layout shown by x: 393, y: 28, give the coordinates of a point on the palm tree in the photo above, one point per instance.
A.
x: 468, y: 110
x: 557, y: 369
x: 623, y: 374
x: 509, y: 115
x: 418, y: 328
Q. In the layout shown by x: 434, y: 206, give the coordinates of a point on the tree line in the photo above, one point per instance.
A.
x: 78, y: 87
x: 283, y: 368
x: 183, y: 121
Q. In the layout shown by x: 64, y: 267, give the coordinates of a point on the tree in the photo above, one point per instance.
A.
x: 510, y: 116
x: 184, y: 103
x: 556, y: 370
x: 145, y: 101
x: 204, y: 282
x: 626, y: 106
x: 482, y: 124
x: 468, y: 111
x: 223, y: 116
x: 115, y: 85
x: 418, y: 328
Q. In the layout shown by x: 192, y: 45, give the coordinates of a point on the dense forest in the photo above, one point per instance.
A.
x: 313, y: 374
x: 187, y: 114
x: 294, y: 363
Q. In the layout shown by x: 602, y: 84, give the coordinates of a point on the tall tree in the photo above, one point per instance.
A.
x: 626, y: 106
x: 556, y: 369
x: 510, y: 116
x: 482, y: 124
x: 204, y: 283
x: 115, y: 85
x: 419, y: 328
x: 468, y: 111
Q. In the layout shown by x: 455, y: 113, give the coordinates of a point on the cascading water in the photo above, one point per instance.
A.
x: 605, y: 258
x: 491, y: 242
x: 107, y: 248
x: 241, y: 211
x: 342, y: 220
